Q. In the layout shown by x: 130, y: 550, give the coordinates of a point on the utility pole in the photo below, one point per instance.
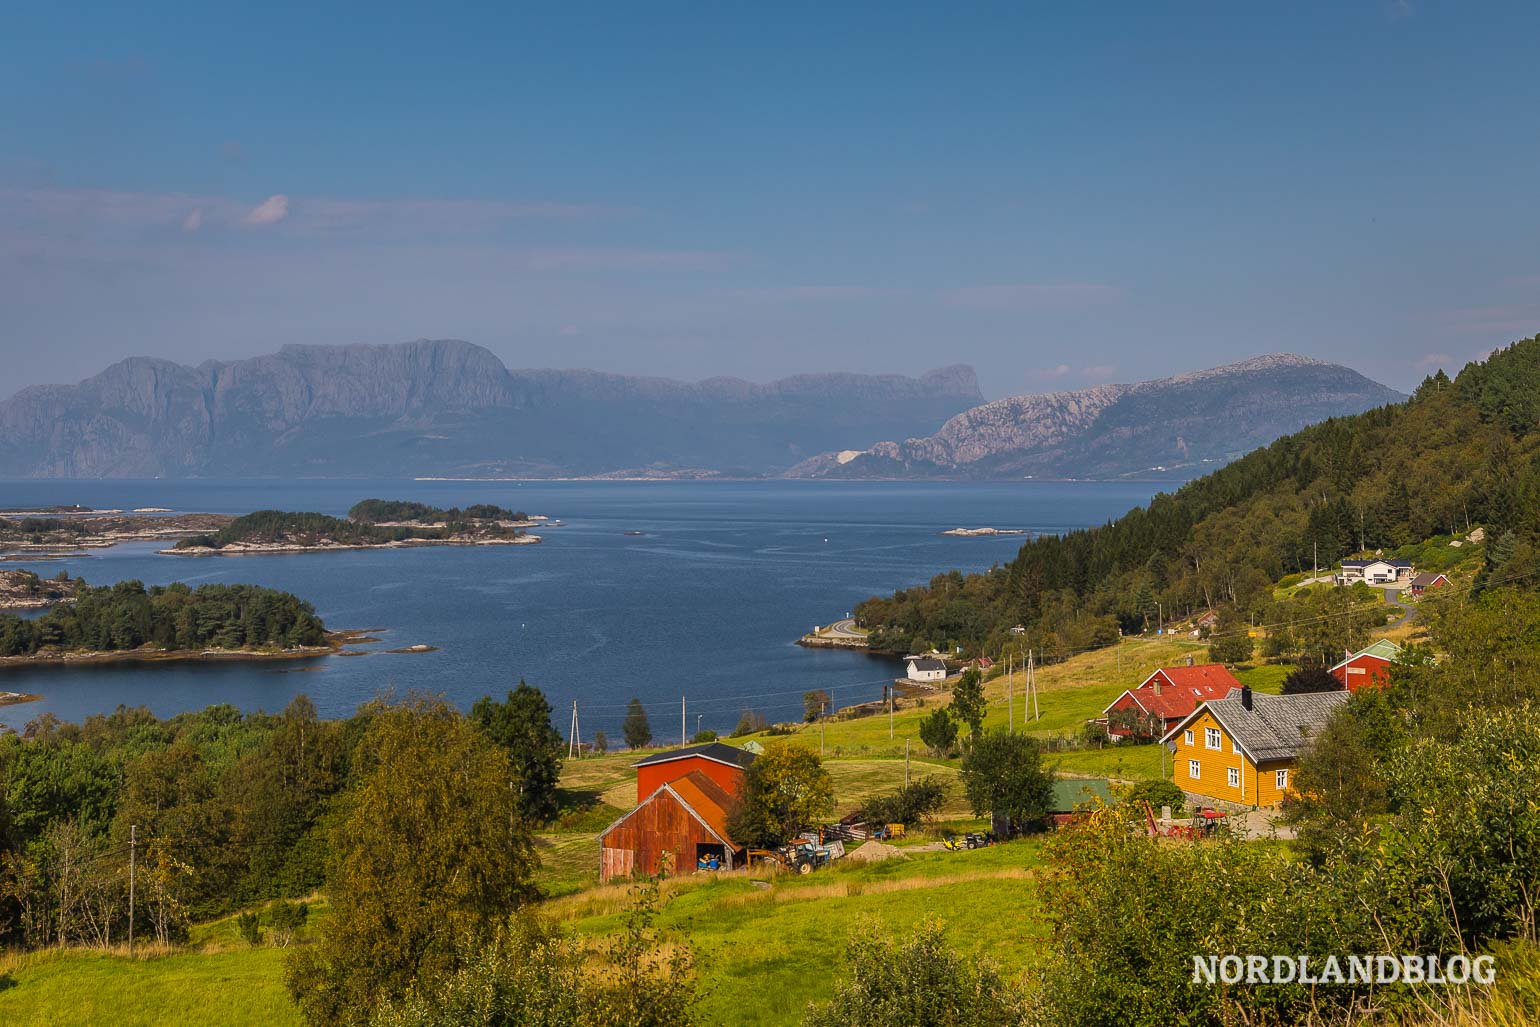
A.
x: 573, y: 747
x: 697, y: 722
x: 1010, y: 697
x: 683, y: 736
x: 890, y: 713
x: 133, y: 841
x: 1037, y: 713
x: 823, y: 711
x: 906, y: 763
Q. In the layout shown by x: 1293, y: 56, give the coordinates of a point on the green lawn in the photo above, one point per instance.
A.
x: 765, y: 953
x: 232, y: 988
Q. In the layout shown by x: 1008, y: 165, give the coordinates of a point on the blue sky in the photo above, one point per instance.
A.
x: 1059, y: 195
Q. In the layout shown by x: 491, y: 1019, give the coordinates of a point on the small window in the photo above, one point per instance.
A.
x: 1211, y: 738
x: 1281, y: 777
x: 1235, y: 777
x: 1187, y: 737
x: 1192, y: 769
x: 1235, y: 746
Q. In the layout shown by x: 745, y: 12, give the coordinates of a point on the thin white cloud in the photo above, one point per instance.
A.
x: 269, y: 212
x: 1432, y: 361
x: 1030, y: 295
x: 193, y: 221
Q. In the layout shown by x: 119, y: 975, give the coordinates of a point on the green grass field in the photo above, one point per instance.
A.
x: 764, y: 953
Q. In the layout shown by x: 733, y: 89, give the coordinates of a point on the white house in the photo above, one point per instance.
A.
x: 1374, y: 572
x: 924, y: 668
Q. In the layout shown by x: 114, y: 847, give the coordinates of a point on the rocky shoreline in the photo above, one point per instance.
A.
x: 982, y: 532
x: 266, y: 548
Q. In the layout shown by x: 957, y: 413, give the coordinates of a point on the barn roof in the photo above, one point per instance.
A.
x: 926, y: 663
x: 719, y: 752
x: 1070, y: 793
x: 701, y: 797
x: 1427, y: 578
x: 1384, y: 649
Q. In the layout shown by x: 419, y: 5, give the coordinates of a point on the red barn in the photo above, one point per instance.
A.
x: 1367, y: 667
x: 722, y: 763
x: 682, y: 822
x: 1169, y: 694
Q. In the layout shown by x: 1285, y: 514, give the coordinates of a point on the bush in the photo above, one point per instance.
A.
x: 939, y: 732
x: 919, y: 981
x: 286, y: 918
x: 751, y: 722
x: 250, y: 927
x: 909, y: 805
x: 702, y: 737
x: 1158, y: 794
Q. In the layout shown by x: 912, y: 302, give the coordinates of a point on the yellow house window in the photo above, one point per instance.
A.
x: 1281, y: 778
x: 1234, y: 775
x: 1187, y: 737
x: 1211, y: 738
x: 1193, y: 769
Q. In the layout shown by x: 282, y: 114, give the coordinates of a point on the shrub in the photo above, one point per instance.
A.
x: 286, y: 919
x: 909, y: 805
x: 919, y: 981
x: 250, y: 927
x: 1158, y: 794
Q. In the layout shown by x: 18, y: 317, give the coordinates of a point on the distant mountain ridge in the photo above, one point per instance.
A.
x: 447, y: 408
x: 1172, y: 427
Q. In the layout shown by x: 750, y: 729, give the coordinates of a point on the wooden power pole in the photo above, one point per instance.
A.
x: 133, y: 842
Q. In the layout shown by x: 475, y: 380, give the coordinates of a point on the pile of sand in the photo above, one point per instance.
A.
x: 875, y: 851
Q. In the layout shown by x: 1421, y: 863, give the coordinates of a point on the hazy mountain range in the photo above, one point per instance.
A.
x: 451, y: 409
x: 1171, y: 427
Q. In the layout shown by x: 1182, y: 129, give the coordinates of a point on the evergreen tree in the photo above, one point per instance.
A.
x: 521, y: 724
x: 636, y: 730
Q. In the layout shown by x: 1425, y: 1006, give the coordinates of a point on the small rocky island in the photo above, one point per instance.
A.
x: 370, y: 524
x: 61, y: 530
x: 982, y: 532
x: 24, y: 590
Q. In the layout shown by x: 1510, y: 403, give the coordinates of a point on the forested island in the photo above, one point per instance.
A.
x: 175, y: 621
x: 370, y: 523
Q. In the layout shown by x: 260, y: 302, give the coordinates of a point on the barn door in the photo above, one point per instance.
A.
x: 616, y: 863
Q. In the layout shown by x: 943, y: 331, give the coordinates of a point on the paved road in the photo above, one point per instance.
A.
x: 1408, y: 613
x: 842, y: 629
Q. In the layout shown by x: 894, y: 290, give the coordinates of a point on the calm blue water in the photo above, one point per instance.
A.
x: 706, y: 603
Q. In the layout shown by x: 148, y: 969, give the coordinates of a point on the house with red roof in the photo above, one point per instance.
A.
x: 1167, y: 696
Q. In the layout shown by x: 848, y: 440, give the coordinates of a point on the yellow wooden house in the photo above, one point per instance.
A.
x: 1242, y: 750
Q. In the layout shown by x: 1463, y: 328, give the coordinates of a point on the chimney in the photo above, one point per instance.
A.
x: 1246, y: 696
x: 1157, y: 684
x: 1189, y: 659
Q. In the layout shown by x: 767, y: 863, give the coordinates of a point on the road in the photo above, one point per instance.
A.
x: 842, y: 629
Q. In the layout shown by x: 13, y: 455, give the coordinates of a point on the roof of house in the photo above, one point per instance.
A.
x: 720, y: 752
x: 926, y: 663
x: 1365, y: 563
x: 1188, y: 687
x: 1427, y: 578
x: 1384, y: 649
x: 1073, y: 792
x: 701, y: 797
x: 1276, y: 727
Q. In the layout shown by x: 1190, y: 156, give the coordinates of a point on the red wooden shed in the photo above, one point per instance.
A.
x: 682, y: 821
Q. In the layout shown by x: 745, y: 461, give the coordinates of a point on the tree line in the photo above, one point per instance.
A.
x: 127, y: 616
x: 376, y: 510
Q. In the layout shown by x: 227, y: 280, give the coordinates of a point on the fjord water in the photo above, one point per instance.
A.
x: 705, y: 603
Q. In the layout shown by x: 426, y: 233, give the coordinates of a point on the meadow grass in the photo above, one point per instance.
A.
x: 234, y: 987
x: 768, y: 945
